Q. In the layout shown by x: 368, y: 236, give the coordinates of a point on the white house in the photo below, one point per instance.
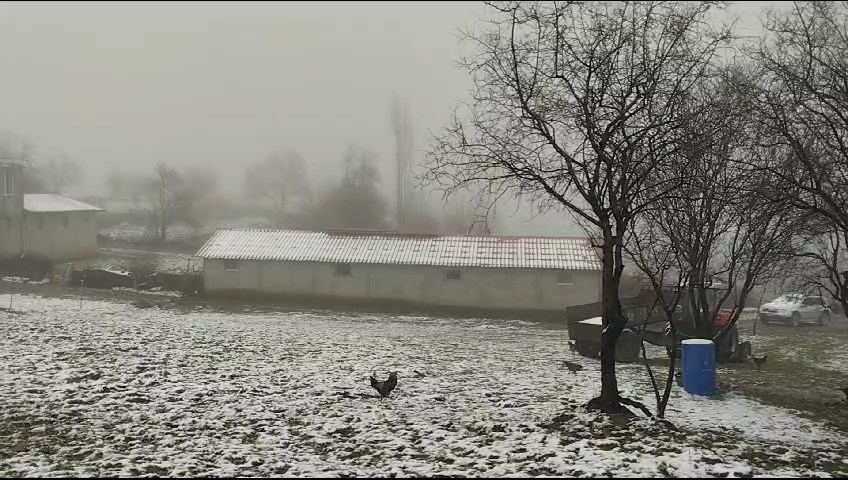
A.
x: 487, y: 273
x: 43, y: 225
x: 58, y: 227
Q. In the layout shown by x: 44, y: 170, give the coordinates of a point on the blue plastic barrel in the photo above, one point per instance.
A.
x: 699, y: 367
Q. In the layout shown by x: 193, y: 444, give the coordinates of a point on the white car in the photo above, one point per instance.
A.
x: 795, y: 309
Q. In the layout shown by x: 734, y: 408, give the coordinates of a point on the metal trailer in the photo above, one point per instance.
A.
x: 584, y: 328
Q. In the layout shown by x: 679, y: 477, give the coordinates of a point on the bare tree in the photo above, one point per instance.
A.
x: 197, y: 197
x: 576, y: 105
x: 421, y: 220
x: 802, y: 98
x: 697, y: 220
x: 469, y: 214
x: 659, y: 262
x: 61, y: 172
x: 116, y: 183
x: 13, y: 147
x: 20, y: 149
x: 139, y: 187
x: 456, y: 218
x: 168, y: 183
x: 762, y: 243
x: 356, y: 201
x: 725, y: 236
x: 280, y: 178
x: 823, y: 264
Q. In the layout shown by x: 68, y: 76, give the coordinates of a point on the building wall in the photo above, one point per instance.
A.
x: 11, y: 204
x: 60, y: 235
x: 489, y: 288
x: 11, y: 211
x: 10, y: 237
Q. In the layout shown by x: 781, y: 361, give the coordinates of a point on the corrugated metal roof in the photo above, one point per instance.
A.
x: 48, y: 202
x: 401, y: 249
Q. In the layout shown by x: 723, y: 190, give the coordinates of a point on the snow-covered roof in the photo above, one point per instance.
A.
x: 48, y: 202
x: 402, y: 249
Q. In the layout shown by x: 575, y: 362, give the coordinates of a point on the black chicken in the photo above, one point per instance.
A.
x: 573, y: 367
x: 384, y: 387
x: 759, y: 361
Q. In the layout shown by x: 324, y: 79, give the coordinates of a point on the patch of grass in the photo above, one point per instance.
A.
x: 250, y: 437
x: 157, y: 470
x: 345, y: 432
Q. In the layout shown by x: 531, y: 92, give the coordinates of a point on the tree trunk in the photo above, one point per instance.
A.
x: 671, y: 372
x: 163, y: 230
x: 759, y: 306
x: 705, y: 313
x: 608, y: 401
x: 609, y: 383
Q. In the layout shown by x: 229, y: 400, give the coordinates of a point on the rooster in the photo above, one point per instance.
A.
x: 384, y: 387
x: 759, y: 361
x: 571, y: 346
x: 573, y: 367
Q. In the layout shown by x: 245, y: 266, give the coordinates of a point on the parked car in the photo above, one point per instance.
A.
x: 795, y: 309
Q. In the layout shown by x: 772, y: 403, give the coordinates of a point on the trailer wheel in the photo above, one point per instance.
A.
x: 627, y: 348
x: 587, y: 349
x: 728, y: 346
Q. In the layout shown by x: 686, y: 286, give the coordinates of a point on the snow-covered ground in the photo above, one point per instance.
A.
x: 23, y: 280
x: 103, y: 388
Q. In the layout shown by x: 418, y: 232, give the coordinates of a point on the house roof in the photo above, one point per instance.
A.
x: 48, y: 202
x: 402, y: 249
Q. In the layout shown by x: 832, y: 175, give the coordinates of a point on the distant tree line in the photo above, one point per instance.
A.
x: 53, y: 174
x: 354, y: 200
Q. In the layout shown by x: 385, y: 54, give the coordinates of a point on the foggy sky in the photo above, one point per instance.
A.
x: 125, y: 85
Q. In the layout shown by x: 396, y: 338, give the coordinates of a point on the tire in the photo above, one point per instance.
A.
x: 795, y: 321
x: 824, y: 319
x: 728, y: 346
x: 627, y: 348
x: 587, y: 349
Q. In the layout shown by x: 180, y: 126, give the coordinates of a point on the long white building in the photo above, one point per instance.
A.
x: 488, y: 273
